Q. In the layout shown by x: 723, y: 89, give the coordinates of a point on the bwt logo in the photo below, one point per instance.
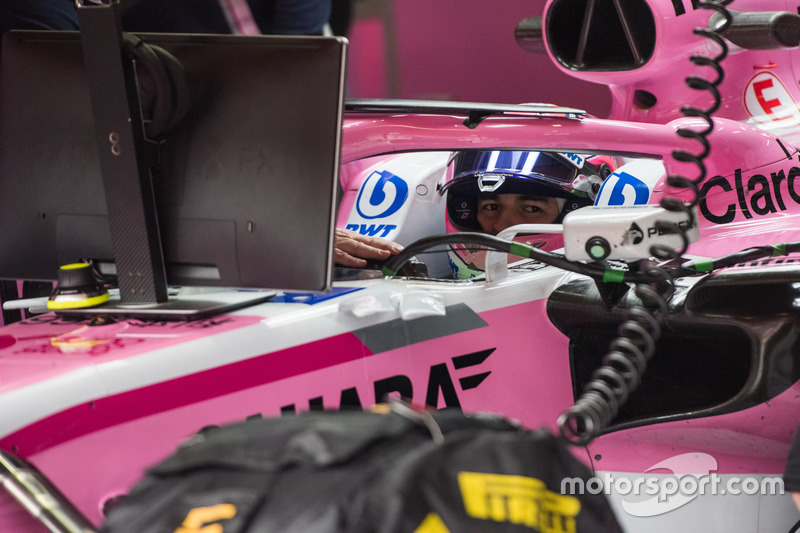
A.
x: 621, y: 188
x: 577, y: 159
x: 381, y: 195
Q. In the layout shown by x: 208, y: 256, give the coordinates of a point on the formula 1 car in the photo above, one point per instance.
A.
x: 702, y: 384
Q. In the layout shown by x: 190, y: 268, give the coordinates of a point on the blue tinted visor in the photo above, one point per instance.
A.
x: 489, y: 168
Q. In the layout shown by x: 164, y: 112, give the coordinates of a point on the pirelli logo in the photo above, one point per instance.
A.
x: 519, y: 500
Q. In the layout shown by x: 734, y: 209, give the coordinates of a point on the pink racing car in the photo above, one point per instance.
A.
x: 693, y: 431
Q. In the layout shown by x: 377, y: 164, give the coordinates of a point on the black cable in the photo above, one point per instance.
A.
x: 748, y: 254
x: 180, y: 86
x: 598, y: 271
x: 170, y: 88
x: 622, y: 367
x: 145, y: 56
x: 648, y: 274
x: 393, y: 264
x: 626, y: 361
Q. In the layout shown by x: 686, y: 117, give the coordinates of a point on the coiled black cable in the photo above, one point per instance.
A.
x: 619, y: 374
x: 701, y: 136
x: 626, y: 361
x: 170, y: 91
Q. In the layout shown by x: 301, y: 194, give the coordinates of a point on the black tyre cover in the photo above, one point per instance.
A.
x: 403, y: 471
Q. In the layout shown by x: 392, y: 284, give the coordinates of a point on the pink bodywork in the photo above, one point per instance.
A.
x: 94, y: 444
x: 758, y: 86
x: 92, y: 409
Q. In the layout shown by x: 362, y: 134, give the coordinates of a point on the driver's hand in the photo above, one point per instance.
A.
x: 354, y: 249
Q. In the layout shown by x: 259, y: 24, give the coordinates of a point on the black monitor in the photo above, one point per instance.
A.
x: 245, y: 184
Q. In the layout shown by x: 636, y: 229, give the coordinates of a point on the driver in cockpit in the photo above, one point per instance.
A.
x: 489, y: 191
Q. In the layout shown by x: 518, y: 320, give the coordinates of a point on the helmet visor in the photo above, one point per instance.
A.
x: 490, y: 170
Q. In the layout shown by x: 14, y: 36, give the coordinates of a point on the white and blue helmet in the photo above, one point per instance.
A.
x: 570, y: 178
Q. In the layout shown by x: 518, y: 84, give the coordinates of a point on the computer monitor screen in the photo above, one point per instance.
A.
x: 244, y: 184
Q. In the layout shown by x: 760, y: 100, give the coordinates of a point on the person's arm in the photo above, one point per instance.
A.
x: 38, y: 15
x: 354, y: 249
x: 291, y: 17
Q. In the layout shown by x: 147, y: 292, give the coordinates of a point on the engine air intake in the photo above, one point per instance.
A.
x: 600, y: 35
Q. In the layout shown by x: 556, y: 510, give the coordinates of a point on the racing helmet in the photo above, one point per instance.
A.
x: 569, y: 178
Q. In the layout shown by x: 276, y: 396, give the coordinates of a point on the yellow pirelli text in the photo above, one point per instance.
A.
x: 519, y: 500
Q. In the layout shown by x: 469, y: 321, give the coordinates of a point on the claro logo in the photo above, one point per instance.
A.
x: 756, y: 196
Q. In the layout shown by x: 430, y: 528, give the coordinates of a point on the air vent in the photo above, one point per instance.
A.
x: 600, y: 35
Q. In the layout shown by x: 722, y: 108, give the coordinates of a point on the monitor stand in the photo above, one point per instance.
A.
x: 130, y: 199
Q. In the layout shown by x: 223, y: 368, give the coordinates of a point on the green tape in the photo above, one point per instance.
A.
x: 778, y: 249
x: 521, y: 250
x: 388, y: 272
x: 613, y: 276
x: 703, y: 266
